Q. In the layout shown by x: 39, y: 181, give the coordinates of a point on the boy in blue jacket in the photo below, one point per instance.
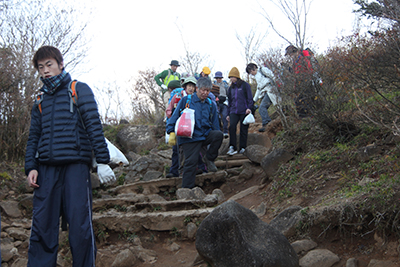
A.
x: 61, y: 139
x: 206, y: 131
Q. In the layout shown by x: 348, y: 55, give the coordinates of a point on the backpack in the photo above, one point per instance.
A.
x: 174, y: 92
x: 303, y: 63
x: 73, y: 100
x: 72, y: 94
x: 272, y: 79
x: 178, y: 93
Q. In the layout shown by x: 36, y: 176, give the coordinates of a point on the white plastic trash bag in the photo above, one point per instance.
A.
x: 116, y: 156
x: 249, y: 119
x: 184, y: 126
x: 104, y: 171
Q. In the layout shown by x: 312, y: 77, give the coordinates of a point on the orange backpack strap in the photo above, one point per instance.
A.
x: 73, y: 95
x: 38, y: 101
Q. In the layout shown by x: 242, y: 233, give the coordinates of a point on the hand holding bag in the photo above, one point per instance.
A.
x: 249, y: 119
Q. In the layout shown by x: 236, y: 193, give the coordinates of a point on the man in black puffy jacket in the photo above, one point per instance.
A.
x: 57, y: 162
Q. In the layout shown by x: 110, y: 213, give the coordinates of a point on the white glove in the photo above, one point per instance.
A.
x: 163, y: 86
x: 106, y: 175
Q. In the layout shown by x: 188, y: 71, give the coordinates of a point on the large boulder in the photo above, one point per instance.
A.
x: 257, y: 139
x: 233, y: 235
x: 287, y: 221
x: 271, y: 162
x: 256, y: 153
x: 138, y: 138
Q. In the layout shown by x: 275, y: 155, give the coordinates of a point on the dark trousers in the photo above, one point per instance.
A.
x: 200, y: 163
x: 223, y: 111
x: 0, y: 231
x: 66, y: 189
x: 191, y: 151
x: 175, y: 161
x: 234, y: 119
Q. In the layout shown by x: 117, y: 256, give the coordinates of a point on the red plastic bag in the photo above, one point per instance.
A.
x: 184, y: 126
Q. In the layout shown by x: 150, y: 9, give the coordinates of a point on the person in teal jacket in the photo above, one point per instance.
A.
x: 206, y: 131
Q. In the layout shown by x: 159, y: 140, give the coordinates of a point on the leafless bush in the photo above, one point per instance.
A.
x: 27, y: 25
x: 147, y: 104
x: 366, y: 67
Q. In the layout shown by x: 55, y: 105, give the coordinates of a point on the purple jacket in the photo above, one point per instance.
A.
x: 238, y: 102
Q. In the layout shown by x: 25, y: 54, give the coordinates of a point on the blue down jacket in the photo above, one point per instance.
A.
x: 57, y: 136
x: 206, y: 118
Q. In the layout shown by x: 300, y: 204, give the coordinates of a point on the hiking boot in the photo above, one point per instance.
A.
x: 210, y: 165
x: 199, y: 171
x: 242, y: 151
x: 263, y: 128
x: 170, y: 175
x: 231, y: 151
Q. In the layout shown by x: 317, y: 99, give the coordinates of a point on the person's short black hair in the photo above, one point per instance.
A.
x: 47, y: 52
x: 250, y: 67
x: 291, y: 49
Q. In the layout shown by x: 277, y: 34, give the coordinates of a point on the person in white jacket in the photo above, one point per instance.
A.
x: 266, y: 87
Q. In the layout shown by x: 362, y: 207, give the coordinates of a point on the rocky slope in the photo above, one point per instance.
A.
x: 146, y: 220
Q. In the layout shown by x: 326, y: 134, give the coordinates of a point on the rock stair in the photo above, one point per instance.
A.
x: 152, y: 205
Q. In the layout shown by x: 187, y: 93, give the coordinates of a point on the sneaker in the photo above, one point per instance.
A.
x: 170, y: 175
x: 231, y: 151
x: 210, y: 165
x: 226, y: 135
x: 242, y: 151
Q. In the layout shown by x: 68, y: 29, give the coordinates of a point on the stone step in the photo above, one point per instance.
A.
x: 227, y: 164
x: 167, y: 184
x: 135, y: 205
x: 123, y: 200
x: 229, y: 157
x: 155, y: 221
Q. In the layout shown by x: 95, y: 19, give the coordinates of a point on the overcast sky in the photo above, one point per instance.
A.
x: 129, y: 36
x: 134, y: 35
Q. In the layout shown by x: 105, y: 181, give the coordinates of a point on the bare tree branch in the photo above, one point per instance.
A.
x: 251, y: 44
x: 296, y: 12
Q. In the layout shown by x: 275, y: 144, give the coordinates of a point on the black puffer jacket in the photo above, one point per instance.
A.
x: 57, y: 136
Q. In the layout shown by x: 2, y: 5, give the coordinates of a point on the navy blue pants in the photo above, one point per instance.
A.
x: 0, y: 231
x: 65, y: 188
x: 191, y: 151
x: 175, y: 161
